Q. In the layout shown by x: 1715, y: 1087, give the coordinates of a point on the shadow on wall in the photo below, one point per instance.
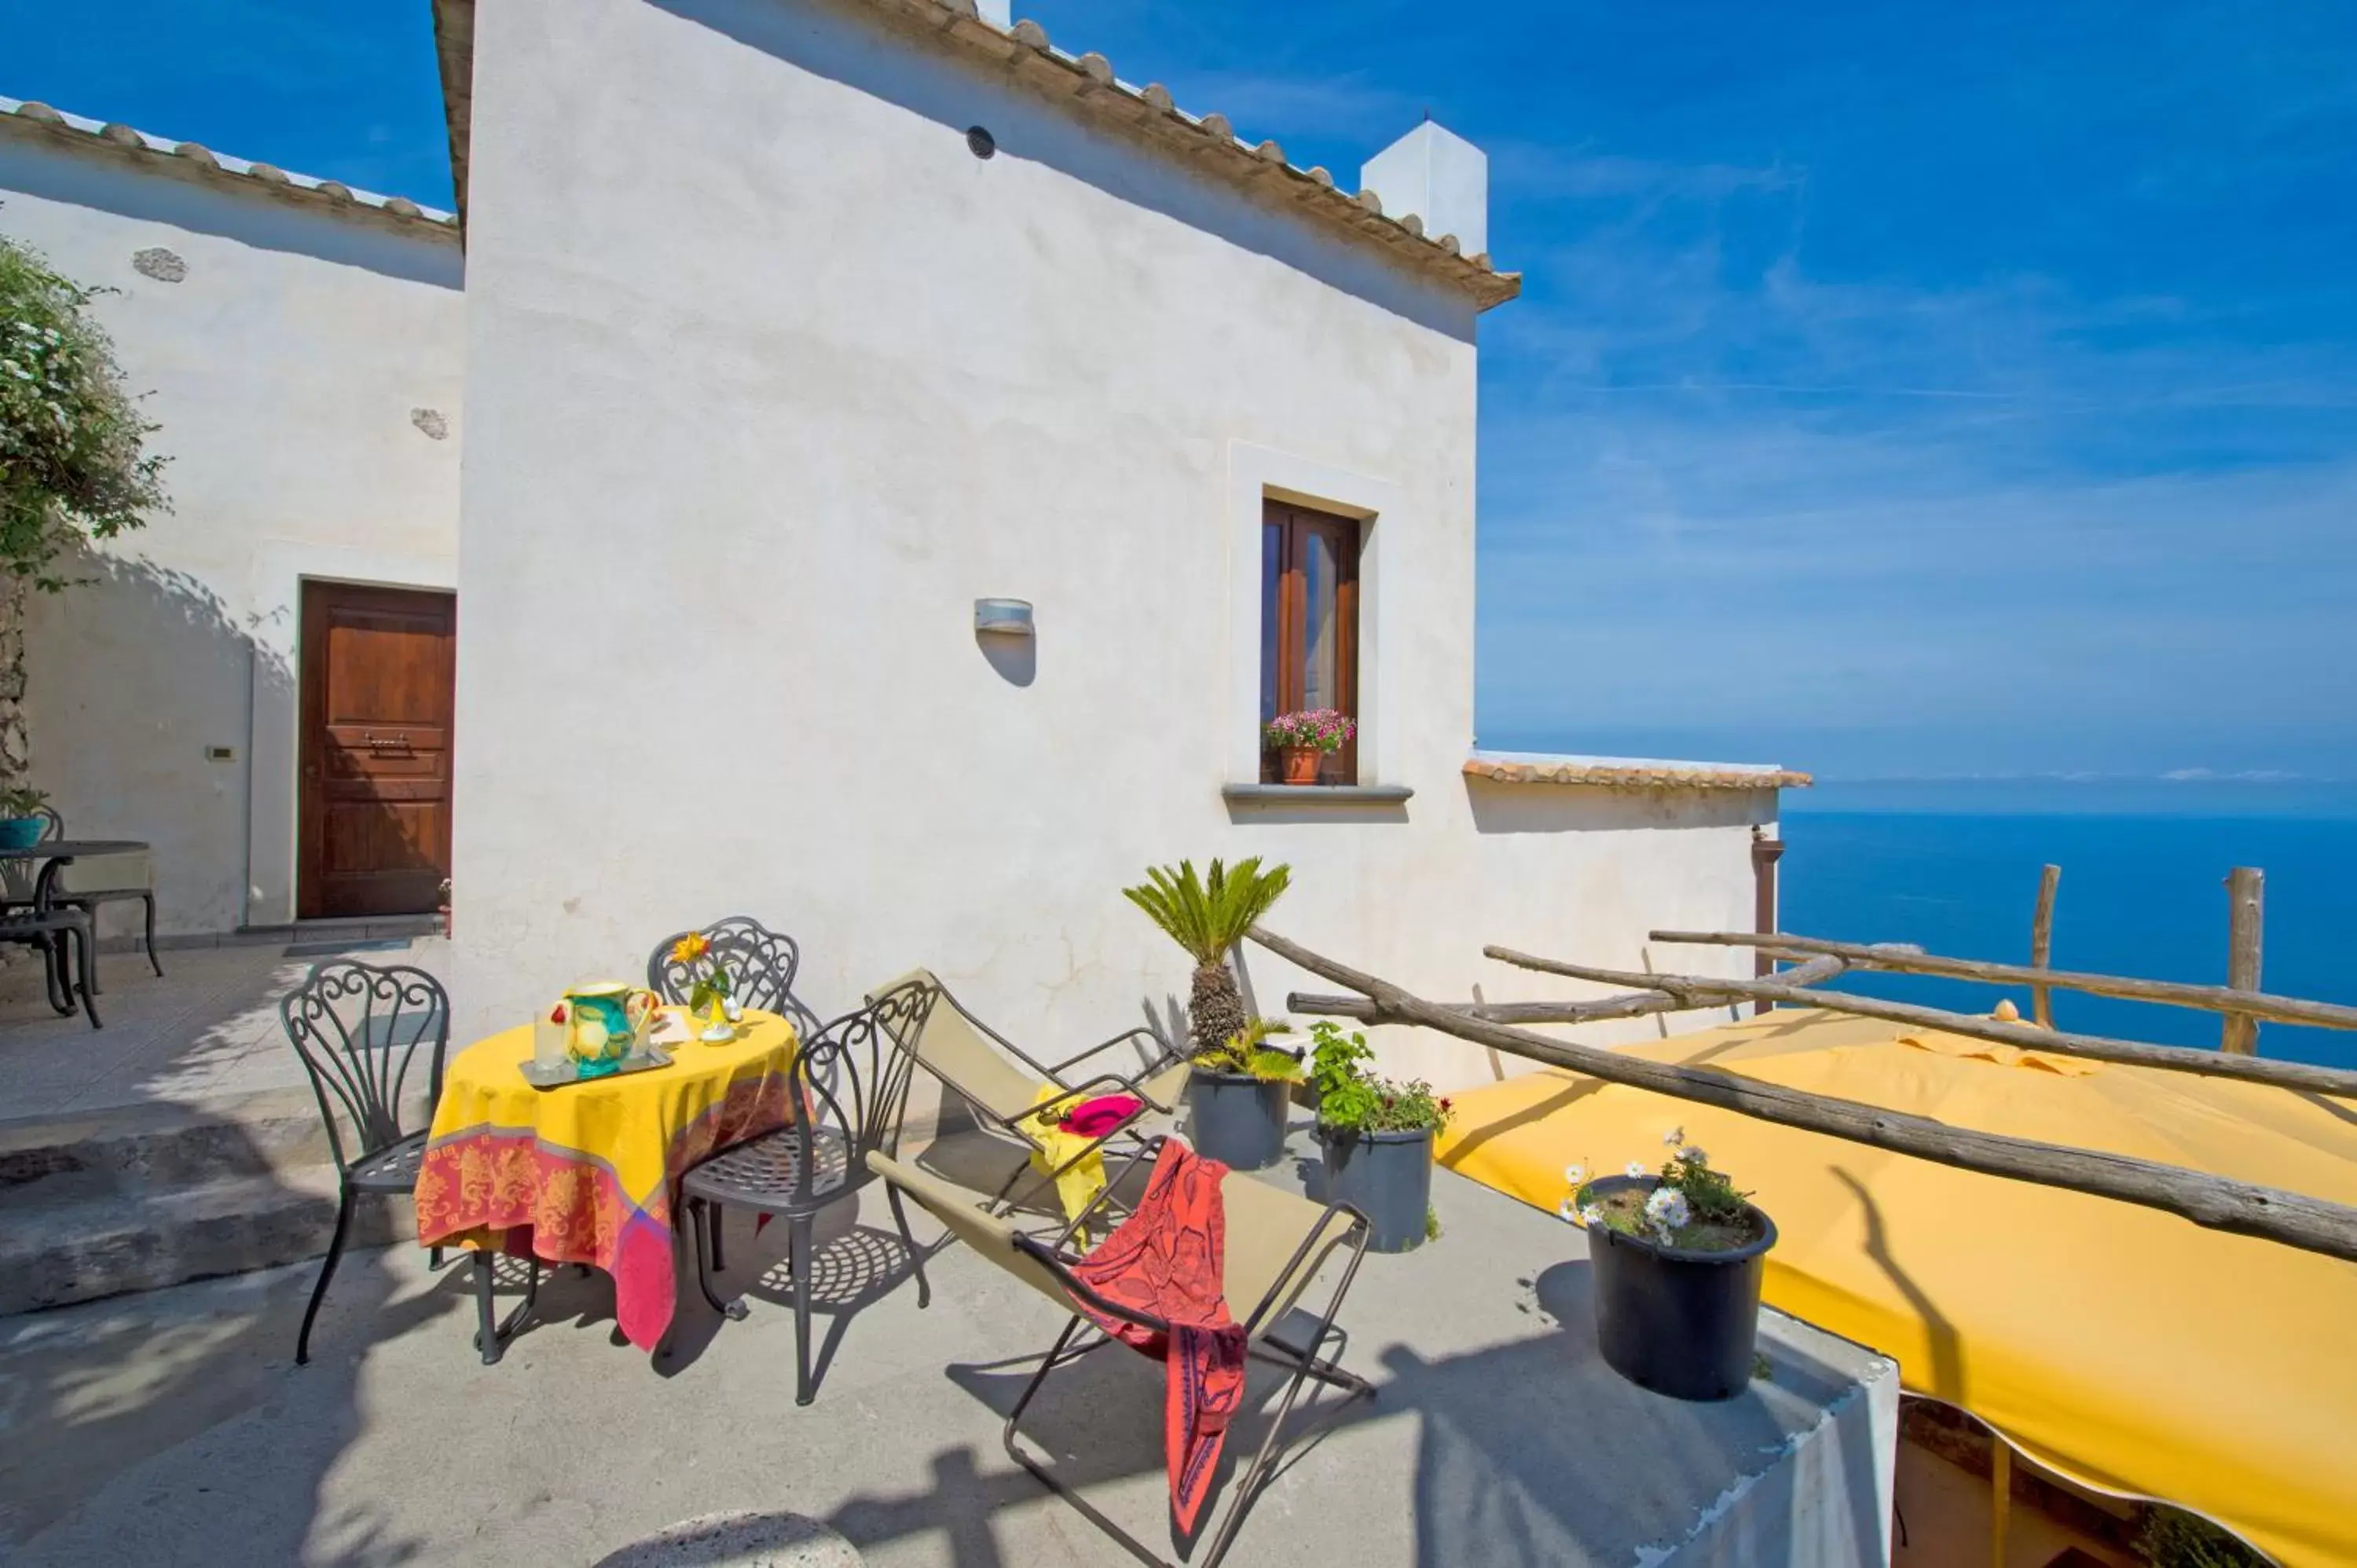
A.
x: 1571, y: 808
x: 154, y: 191
x: 910, y: 71
x: 134, y: 674
x: 1017, y: 659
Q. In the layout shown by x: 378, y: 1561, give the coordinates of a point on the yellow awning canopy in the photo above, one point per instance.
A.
x: 2125, y: 1347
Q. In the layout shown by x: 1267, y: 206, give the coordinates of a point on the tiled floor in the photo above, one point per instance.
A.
x: 208, y: 1028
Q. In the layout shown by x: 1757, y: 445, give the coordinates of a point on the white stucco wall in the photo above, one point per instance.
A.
x: 283, y: 369
x: 772, y: 377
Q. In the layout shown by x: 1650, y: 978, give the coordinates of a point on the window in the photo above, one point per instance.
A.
x: 1310, y: 623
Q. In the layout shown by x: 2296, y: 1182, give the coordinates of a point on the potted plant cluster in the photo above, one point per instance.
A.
x: 1678, y: 1255
x: 1376, y: 1136
x: 1303, y: 741
x: 21, y: 823
x: 1238, y: 1093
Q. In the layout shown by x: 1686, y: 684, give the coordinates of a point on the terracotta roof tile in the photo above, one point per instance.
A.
x: 1628, y: 773
x: 41, y: 120
x: 1088, y: 85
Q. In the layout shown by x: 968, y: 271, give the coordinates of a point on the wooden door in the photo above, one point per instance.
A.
x: 378, y: 677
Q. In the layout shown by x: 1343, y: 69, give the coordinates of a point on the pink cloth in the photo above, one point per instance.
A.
x: 1095, y: 1118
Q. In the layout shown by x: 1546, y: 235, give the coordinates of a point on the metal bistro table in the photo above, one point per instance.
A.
x: 54, y: 854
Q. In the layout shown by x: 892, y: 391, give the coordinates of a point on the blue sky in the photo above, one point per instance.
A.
x: 1896, y: 389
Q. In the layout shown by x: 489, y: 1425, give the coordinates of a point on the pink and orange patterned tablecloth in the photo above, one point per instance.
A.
x: 589, y: 1172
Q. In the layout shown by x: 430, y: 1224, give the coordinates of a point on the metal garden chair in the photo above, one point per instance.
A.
x: 1275, y: 1244
x: 66, y: 943
x: 971, y: 1060
x: 762, y: 962
x: 850, y: 1084
x: 357, y: 1028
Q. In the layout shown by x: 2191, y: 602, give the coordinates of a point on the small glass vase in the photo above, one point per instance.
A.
x: 717, y: 1030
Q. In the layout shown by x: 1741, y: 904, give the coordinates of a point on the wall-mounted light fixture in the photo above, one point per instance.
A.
x: 1011, y: 618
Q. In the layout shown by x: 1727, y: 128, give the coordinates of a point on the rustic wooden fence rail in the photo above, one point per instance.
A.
x: 2217, y: 1203
x: 1703, y: 990
x: 1914, y: 961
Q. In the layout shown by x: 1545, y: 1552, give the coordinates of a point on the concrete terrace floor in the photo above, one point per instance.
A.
x: 172, y: 1428
x: 208, y: 1030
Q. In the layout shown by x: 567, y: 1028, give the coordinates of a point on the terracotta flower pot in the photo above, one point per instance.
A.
x: 1301, y: 764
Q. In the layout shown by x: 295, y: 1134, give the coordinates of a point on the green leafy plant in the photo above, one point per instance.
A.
x: 1247, y: 1051
x: 1688, y: 1205
x: 73, y: 462
x: 19, y: 801
x: 1352, y: 1099
x: 1208, y: 916
x: 2171, y: 1538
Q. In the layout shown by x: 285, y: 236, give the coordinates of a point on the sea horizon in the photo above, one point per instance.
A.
x: 1953, y: 864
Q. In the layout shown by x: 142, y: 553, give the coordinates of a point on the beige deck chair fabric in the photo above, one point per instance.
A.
x: 1265, y: 1228
x: 952, y: 1050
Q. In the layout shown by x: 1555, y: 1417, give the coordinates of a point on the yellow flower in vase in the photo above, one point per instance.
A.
x: 707, y: 996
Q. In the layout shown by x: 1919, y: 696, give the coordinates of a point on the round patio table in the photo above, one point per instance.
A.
x: 589, y: 1172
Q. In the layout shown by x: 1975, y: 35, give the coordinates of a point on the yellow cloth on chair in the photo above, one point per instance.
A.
x: 1078, y: 1188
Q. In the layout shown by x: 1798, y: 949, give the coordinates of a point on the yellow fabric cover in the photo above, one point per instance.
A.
x: 627, y: 1123
x: 1077, y: 1187
x: 2121, y: 1346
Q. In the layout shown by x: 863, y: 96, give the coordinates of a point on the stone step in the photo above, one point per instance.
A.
x: 159, y: 1145
x: 57, y: 1248
x: 146, y: 1147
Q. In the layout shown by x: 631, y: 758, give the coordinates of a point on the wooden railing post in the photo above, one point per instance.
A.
x: 2041, y: 945
x: 1765, y: 853
x: 2246, y: 899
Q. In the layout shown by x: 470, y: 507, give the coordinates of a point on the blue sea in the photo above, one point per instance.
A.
x: 1953, y: 866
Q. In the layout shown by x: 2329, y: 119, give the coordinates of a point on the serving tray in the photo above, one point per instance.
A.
x: 569, y: 1071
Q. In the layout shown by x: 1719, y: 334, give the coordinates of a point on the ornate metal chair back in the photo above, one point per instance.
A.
x: 357, y: 1028
x: 761, y: 963
x: 852, y: 1077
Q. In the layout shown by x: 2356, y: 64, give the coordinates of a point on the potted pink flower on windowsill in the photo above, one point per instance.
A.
x: 1304, y: 740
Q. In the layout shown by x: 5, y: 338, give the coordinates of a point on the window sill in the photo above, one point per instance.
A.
x: 1316, y: 794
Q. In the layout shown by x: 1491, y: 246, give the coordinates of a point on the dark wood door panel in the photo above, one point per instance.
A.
x: 377, y: 697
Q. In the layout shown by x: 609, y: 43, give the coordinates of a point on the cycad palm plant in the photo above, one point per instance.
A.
x: 1207, y: 916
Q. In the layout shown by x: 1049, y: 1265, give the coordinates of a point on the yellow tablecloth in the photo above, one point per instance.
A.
x: 2125, y: 1347
x: 589, y: 1170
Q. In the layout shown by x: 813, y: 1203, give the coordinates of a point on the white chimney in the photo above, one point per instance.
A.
x: 1441, y: 178
x: 1000, y: 13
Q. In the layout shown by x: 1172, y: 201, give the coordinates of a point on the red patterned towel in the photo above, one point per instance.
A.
x: 1166, y: 1260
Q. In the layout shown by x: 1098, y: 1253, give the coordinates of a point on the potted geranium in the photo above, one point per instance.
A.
x: 1303, y: 741
x: 1237, y: 1097
x: 1678, y: 1255
x: 21, y: 823
x: 1376, y: 1137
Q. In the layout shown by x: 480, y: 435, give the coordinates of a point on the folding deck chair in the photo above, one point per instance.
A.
x: 1275, y: 1244
x: 964, y: 1054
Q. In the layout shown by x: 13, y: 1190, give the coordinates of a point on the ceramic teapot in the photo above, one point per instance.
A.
x: 603, y: 1022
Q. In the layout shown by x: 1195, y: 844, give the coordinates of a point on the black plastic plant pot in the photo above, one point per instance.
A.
x: 1237, y: 1119
x: 1674, y: 1320
x: 1387, y: 1177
